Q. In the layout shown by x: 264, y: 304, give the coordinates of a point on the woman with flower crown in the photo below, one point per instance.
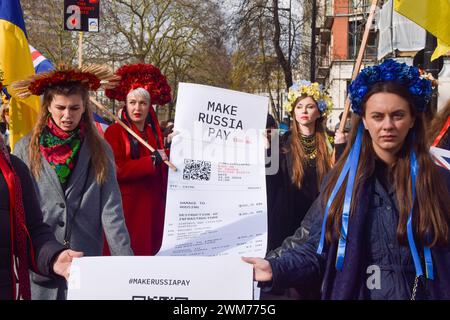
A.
x: 141, y: 174
x: 25, y: 241
x: 304, y: 159
x: 72, y: 168
x: 382, y: 218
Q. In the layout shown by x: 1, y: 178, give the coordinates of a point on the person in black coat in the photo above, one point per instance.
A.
x: 381, y: 225
x: 271, y: 135
x: 304, y: 157
x: 33, y: 246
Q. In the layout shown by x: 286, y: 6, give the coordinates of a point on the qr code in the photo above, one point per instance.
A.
x: 196, y: 170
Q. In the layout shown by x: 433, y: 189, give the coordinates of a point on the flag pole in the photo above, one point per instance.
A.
x: 433, y: 68
x: 123, y: 125
x: 357, y: 68
x: 80, y: 49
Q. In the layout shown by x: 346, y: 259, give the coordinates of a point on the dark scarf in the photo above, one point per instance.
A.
x: 61, y: 148
x: 19, y: 233
x: 346, y: 284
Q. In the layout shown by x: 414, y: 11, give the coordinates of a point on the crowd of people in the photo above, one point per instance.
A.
x: 382, y: 207
x: 371, y: 196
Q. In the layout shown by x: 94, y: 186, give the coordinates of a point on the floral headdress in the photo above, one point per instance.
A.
x: 90, y: 76
x: 419, y: 86
x: 421, y: 89
x: 313, y: 90
x: 145, y: 76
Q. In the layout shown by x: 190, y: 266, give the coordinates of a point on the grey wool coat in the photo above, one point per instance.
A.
x: 100, y: 210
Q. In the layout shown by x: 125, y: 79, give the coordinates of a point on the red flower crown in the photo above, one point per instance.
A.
x: 86, y: 79
x: 91, y: 77
x: 145, y: 76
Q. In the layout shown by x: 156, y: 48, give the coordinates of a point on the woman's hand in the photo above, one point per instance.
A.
x: 262, y: 271
x: 340, y: 137
x: 163, y: 154
x: 62, y: 264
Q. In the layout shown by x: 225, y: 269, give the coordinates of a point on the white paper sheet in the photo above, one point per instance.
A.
x: 216, y: 201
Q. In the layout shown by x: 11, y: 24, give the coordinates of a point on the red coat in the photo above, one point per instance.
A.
x: 143, y: 187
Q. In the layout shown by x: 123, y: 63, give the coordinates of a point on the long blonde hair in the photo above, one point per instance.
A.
x: 99, y: 160
x: 298, y: 154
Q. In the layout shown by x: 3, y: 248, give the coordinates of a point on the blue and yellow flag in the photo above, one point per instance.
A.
x: 433, y: 16
x: 16, y: 63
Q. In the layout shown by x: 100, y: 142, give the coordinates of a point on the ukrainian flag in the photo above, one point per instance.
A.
x: 16, y: 62
x: 433, y: 16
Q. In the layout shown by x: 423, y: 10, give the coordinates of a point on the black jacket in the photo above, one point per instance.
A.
x: 45, y: 246
x: 287, y: 204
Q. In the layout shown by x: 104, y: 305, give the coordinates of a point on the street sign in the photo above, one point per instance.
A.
x: 81, y: 15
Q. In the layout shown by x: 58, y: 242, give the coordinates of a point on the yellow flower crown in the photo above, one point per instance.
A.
x: 313, y: 90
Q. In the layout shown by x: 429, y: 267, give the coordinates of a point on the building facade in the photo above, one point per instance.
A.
x: 342, y: 26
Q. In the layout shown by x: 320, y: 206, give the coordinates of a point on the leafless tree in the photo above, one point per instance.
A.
x: 45, y: 29
x: 278, y: 30
x: 176, y: 36
x: 185, y: 39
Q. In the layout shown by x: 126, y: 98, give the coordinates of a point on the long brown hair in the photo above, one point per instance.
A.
x: 98, y: 160
x: 438, y: 122
x: 298, y: 154
x: 431, y: 217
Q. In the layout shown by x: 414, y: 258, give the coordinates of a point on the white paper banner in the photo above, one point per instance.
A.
x: 160, y: 278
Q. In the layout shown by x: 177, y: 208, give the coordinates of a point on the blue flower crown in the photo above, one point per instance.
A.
x: 390, y: 70
x: 313, y: 90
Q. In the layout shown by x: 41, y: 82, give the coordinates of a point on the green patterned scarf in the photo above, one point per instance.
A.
x: 61, y: 148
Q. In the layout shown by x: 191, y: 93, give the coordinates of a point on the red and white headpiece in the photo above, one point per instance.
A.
x: 141, y: 75
x: 89, y: 76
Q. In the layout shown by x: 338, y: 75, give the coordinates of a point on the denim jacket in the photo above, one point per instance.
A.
x: 386, y: 271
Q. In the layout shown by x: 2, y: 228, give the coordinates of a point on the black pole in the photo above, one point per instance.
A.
x: 313, y: 41
x: 290, y: 34
x: 431, y: 67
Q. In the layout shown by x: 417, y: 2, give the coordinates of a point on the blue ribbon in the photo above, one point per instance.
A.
x: 354, y: 152
x: 350, y: 168
x: 410, y: 233
x: 5, y: 92
x: 428, y: 263
x: 354, y: 161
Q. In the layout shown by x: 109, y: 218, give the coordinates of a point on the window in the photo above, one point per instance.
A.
x: 356, y: 32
